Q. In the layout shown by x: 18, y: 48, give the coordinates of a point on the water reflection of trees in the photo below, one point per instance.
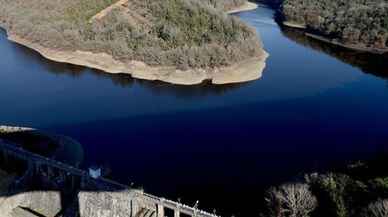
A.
x: 203, y: 89
x: 369, y: 63
x: 126, y: 81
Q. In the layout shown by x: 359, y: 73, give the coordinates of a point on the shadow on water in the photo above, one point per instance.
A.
x: 374, y: 64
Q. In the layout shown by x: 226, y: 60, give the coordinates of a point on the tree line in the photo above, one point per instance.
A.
x: 363, y: 23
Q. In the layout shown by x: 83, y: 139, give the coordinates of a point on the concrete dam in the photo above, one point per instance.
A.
x: 100, y: 197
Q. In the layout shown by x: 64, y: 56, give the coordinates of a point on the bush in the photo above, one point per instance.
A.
x: 339, y: 195
x: 291, y: 200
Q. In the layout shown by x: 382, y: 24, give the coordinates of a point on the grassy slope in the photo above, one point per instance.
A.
x: 182, y: 33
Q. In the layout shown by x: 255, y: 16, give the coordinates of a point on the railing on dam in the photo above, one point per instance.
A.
x: 177, y: 207
x: 38, y: 160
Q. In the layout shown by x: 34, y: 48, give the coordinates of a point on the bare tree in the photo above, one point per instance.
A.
x: 291, y: 200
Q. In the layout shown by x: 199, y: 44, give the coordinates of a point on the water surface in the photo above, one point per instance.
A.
x: 315, y: 106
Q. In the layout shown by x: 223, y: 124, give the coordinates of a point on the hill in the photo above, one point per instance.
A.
x: 357, y: 24
x: 178, y: 41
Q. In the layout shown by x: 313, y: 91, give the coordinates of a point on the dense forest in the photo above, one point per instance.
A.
x: 358, y: 23
x: 358, y: 190
x: 182, y: 33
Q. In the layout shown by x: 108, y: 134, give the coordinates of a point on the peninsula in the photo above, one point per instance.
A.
x: 177, y: 41
x: 359, y: 24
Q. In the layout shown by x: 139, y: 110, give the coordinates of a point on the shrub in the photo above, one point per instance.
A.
x: 339, y: 195
x: 291, y: 200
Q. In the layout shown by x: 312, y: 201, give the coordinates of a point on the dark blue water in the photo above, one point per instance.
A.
x: 315, y: 106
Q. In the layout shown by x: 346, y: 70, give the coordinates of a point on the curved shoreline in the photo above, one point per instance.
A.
x: 244, y: 71
x: 354, y: 47
x: 336, y: 42
x: 247, y: 70
x: 248, y: 6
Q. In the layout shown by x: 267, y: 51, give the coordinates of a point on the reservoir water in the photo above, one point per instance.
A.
x: 315, y: 106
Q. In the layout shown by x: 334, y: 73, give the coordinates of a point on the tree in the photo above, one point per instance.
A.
x: 291, y: 200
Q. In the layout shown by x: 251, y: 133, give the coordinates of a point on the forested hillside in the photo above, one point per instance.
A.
x: 359, y: 23
x: 181, y: 33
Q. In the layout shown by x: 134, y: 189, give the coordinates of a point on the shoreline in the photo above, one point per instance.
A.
x: 355, y: 47
x: 351, y: 47
x: 294, y: 25
x: 247, y: 6
x: 247, y: 70
x: 244, y: 71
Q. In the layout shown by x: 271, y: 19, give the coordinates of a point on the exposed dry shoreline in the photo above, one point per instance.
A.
x: 348, y: 46
x: 247, y: 70
x: 248, y: 6
x: 294, y: 25
x: 355, y: 47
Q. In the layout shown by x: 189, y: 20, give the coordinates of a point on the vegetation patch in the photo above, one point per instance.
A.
x: 359, y: 190
x: 180, y: 33
x: 359, y: 23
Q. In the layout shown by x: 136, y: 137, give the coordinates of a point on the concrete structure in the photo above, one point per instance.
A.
x: 162, y: 205
x: 60, y: 174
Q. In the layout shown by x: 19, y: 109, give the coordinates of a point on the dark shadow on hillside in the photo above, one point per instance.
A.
x: 374, y: 64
